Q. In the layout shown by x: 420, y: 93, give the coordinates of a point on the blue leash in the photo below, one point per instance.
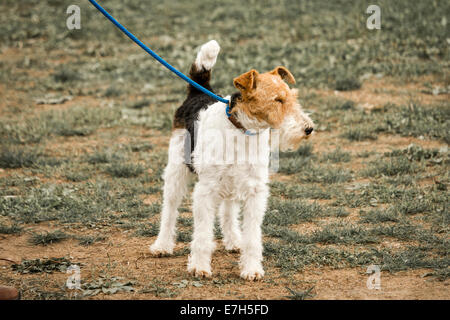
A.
x: 161, y: 60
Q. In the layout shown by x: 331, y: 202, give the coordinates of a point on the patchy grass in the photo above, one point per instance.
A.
x: 24, y: 157
x: 341, y: 233
x: 291, y: 212
x: 77, y: 176
x: 293, y: 165
x: 12, y: 229
x: 300, y: 295
x: 325, y: 175
x: 390, y: 167
x: 42, y: 265
x: 150, y: 230
x: 417, y: 120
x: 88, y: 240
x: 304, y: 151
x: 99, y: 157
x: 79, y: 121
x: 346, y: 84
x: 359, y: 133
x: 160, y: 289
x: 337, y: 156
x: 293, y: 191
x: 66, y: 75
x: 184, y: 236
x: 107, y: 285
x: 12, y: 158
x: 125, y: 170
x: 47, y: 238
x: 379, y: 216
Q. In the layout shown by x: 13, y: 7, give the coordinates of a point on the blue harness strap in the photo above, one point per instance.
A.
x: 154, y: 55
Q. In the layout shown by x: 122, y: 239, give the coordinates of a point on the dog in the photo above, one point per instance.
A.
x: 263, y: 101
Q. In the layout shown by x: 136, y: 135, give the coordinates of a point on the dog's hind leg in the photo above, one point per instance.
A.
x: 228, y: 215
x: 176, y: 177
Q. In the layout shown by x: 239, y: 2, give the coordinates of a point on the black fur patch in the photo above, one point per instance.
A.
x: 234, y: 97
x: 187, y: 113
x: 196, y: 101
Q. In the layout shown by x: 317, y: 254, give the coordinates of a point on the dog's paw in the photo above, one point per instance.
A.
x: 207, y: 56
x: 157, y: 249
x: 234, y: 249
x: 232, y: 246
x: 200, y: 272
x: 252, y: 275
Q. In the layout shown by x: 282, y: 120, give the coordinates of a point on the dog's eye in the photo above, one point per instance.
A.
x: 279, y: 100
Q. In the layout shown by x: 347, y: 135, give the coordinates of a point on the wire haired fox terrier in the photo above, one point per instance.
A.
x: 264, y: 101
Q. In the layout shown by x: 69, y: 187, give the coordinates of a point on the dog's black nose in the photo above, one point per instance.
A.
x: 308, y: 131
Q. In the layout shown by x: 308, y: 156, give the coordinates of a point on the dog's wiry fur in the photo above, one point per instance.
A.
x: 264, y: 101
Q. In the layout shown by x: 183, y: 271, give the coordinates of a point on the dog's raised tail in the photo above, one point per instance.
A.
x: 201, y: 68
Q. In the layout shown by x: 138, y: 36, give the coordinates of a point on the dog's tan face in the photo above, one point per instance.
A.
x: 268, y: 99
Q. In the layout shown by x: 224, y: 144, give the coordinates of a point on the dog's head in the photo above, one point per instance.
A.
x: 267, y: 100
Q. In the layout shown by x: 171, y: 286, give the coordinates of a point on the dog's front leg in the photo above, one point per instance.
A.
x: 252, y: 248
x: 228, y: 214
x: 205, y: 203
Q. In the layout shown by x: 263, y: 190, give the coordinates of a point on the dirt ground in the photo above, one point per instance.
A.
x: 129, y: 257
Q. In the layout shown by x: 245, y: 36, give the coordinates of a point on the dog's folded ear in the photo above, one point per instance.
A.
x: 284, y: 73
x: 246, y: 82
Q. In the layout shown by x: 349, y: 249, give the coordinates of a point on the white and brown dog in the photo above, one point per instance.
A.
x: 203, y: 127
